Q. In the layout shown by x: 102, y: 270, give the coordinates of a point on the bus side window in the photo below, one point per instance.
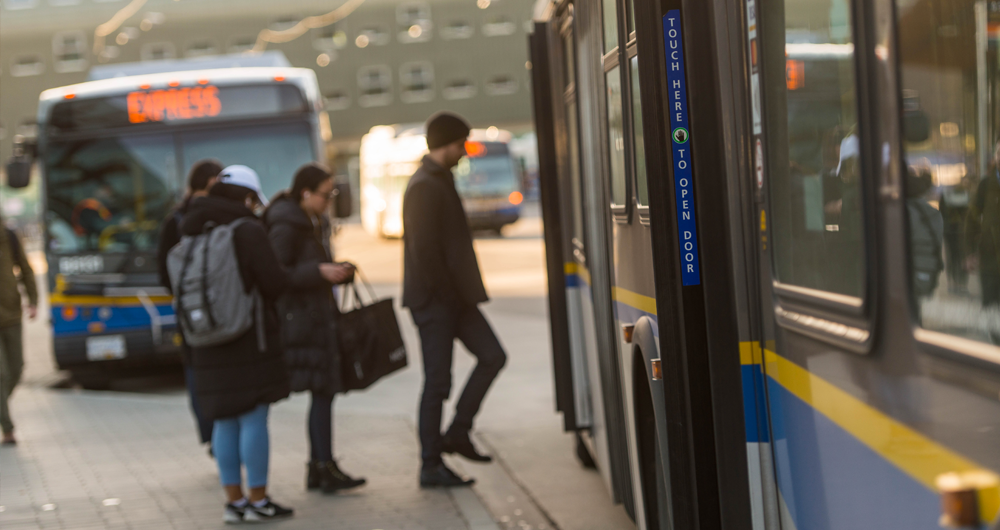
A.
x: 951, y: 117
x: 814, y: 150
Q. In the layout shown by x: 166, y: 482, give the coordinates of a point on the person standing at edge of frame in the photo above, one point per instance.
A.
x: 203, y: 174
x: 442, y: 286
x: 11, y: 326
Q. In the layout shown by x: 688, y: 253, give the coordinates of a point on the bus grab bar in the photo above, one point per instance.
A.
x: 156, y: 320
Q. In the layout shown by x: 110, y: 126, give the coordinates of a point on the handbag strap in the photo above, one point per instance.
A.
x: 368, y: 286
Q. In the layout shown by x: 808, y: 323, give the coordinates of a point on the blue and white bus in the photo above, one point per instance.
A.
x: 113, y: 155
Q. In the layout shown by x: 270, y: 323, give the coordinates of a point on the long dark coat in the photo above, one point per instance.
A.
x: 308, y: 310
x: 439, y: 263
x: 234, y: 378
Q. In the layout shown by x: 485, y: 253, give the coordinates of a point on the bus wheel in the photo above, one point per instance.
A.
x: 583, y: 454
x: 654, y: 490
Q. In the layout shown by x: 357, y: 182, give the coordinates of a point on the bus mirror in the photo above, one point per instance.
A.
x: 343, y: 202
x: 916, y: 126
x: 19, y: 171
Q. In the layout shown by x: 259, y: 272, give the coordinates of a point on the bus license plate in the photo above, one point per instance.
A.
x: 106, y: 348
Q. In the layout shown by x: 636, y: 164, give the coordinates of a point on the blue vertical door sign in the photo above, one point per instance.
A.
x: 677, y: 113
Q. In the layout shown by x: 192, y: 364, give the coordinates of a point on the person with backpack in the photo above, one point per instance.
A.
x: 300, y: 233
x: 225, y: 285
x: 14, y: 270
x: 203, y: 174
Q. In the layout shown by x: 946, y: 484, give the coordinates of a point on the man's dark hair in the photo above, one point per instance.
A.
x: 308, y: 178
x: 201, y: 172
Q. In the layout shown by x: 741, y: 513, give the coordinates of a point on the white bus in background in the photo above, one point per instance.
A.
x: 488, y: 180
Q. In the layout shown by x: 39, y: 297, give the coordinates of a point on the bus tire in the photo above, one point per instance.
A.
x: 583, y: 454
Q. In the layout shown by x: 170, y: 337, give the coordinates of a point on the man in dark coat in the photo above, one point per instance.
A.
x: 442, y: 286
x: 203, y: 174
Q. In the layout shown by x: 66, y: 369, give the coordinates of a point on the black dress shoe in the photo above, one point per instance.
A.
x: 461, y: 443
x: 328, y: 477
x: 440, y: 476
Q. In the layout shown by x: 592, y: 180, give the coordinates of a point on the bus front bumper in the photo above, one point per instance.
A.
x: 140, y: 351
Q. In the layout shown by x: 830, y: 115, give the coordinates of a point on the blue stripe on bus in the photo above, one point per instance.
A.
x: 127, y: 318
x: 573, y: 280
x: 830, y: 480
x: 754, y: 400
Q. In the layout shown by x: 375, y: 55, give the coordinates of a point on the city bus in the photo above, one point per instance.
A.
x: 488, y: 179
x: 734, y: 225
x: 113, y: 155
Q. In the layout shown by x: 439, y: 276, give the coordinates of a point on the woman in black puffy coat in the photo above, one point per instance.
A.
x: 299, y: 231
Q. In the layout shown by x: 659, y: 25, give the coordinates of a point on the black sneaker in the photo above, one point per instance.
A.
x: 267, y: 512
x: 233, y: 514
x: 440, y: 476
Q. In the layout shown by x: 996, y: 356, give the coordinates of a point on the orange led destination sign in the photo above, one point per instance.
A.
x: 174, y: 104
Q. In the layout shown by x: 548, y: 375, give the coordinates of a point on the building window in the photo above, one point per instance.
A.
x: 417, y: 80
x: 375, y: 83
x: 337, y: 99
x: 332, y: 37
x: 459, y: 89
x: 372, y: 35
x: 283, y: 23
x: 242, y: 44
x: 158, y: 51
x: 200, y: 49
x: 457, y: 29
x: 69, y: 50
x: 26, y: 65
x: 19, y: 4
x: 500, y: 85
x: 414, y: 21
x: 499, y: 26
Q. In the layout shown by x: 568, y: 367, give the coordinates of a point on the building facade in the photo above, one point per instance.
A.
x: 389, y: 61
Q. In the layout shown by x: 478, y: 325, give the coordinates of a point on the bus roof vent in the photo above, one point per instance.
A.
x: 271, y: 58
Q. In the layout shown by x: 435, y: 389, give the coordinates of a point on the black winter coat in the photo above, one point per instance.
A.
x: 439, y: 263
x: 235, y: 378
x: 170, y: 235
x: 308, y: 310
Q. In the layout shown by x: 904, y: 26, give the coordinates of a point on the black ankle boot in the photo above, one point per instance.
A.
x: 313, y: 472
x: 328, y: 477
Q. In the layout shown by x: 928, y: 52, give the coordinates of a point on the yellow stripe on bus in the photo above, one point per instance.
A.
x: 62, y: 299
x: 914, y: 454
x: 572, y: 268
x: 636, y: 300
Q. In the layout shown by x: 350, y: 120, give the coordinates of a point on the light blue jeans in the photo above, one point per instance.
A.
x: 242, y: 441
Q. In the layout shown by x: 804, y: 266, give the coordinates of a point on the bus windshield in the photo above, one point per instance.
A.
x: 110, y: 194
x: 273, y: 151
x: 486, y: 175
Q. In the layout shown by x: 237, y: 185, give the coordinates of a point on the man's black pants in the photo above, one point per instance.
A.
x: 440, y: 324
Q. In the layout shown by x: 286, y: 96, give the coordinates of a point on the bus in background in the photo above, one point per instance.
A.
x: 113, y: 155
x: 488, y: 179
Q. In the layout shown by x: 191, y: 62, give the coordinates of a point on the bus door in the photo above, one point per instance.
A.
x: 572, y: 314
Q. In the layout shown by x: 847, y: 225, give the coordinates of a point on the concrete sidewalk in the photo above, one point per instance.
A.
x: 92, y: 460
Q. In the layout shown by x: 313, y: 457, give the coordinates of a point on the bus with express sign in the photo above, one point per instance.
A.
x: 113, y: 155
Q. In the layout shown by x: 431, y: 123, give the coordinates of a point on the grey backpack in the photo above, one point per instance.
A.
x: 212, y: 305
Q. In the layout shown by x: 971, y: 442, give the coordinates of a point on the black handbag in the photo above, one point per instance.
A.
x: 371, y: 346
